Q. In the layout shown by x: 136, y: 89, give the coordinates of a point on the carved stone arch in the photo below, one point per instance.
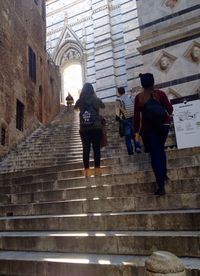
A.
x: 70, y: 52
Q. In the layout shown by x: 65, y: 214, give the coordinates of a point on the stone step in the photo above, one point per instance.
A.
x: 25, y: 263
x: 122, y: 204
x: 170, y: 154
x: 57, y: 144
x: 64, y: 181
x: 178, y: 220
x: 53, y: 193
x: 23, y: 163
x: 65, y: 143
x: 172, y: 186
x: 111, y: 242
x: 123, y: 159
x: 135, y: 177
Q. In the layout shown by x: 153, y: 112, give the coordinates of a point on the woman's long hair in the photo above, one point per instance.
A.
x: 87, y: 91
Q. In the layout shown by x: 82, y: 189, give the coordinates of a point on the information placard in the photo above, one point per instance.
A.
x: 187, y: 123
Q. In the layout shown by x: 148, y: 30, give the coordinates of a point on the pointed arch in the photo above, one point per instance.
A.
x: 68, y: 51
x: 68, y: 42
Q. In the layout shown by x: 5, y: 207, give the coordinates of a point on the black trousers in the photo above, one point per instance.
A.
x: 91, y: 137
x: 154, y: 142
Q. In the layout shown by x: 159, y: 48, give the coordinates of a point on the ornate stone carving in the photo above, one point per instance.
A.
x: 171, y: 3
x: 193, y: 52
x: 71, y: 55
x: 164, y: 61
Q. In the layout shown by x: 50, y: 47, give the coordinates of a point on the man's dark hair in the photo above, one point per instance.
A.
x: 147, y: 80
x: 121, y: 90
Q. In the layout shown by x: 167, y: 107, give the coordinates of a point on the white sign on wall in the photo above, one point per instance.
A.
x: 187, y: 124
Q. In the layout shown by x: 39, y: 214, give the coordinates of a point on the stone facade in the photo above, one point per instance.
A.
x: 29, y: 82
x: 102, y: 34
x: 116, y: 40
x: 170, y: 44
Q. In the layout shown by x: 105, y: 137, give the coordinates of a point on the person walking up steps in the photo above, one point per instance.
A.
x: 152, y: 119
x: 125, y: 111
x: 90, y: 126
x: 70, y: 100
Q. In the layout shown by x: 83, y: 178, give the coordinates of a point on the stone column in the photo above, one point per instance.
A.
x: 164, y: 263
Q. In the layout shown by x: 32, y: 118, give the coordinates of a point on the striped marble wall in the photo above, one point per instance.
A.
x: 170, y: 43
x: 107, y: 31
x: 118, y: 39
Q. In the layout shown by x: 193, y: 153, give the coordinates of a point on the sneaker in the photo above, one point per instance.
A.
x: 138, y: 150
x: 97, y: 171
x: 87, y: 172
x: 160, y: 192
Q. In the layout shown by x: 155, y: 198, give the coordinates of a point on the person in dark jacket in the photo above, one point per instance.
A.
x: 69, y: 99
x: 153, y: 136
x: 90, y: 126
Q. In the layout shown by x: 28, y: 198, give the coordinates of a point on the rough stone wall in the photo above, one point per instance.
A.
x: 104, y: 34
x: 22, y: 24
x: 170, y: 43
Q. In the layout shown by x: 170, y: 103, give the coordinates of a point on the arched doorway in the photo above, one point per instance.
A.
x: 70, y: 58
x: 72, y: 80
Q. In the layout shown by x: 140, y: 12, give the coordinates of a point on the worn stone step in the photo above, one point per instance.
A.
x: 135, y: 165
x: 123, y: 221
x: 63, y: 180
x: 53, y: 193
x: 47, y: 158
x: 136, y: 177
x: 138, y: 203
x: 172, y: 186
x: 5, y: 199
x: 111, y: 242
x: 25, y: 263
x: 51, y: 151
x: 170, y: 154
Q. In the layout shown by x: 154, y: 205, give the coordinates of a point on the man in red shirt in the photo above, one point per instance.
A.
x: 152, y: 112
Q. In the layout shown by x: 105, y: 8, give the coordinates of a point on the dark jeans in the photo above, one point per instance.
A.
x: 154, y: 141
x: 91, y: 137
x: 130, y: 135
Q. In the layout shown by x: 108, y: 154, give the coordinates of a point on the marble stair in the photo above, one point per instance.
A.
x: 54, y: 221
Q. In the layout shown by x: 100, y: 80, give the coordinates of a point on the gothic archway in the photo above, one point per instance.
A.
x: 69, y: 54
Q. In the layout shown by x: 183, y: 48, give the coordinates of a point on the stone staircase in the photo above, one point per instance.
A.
x: 53, y: 221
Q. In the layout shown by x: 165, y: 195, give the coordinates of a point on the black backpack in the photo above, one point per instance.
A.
x: 88, y: 115
x: 153, y: 112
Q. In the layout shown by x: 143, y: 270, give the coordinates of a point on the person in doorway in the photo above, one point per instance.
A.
x: 152, y: 119
x: 69, y: 99
x: 125, y: 112
x: 90, y: 126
